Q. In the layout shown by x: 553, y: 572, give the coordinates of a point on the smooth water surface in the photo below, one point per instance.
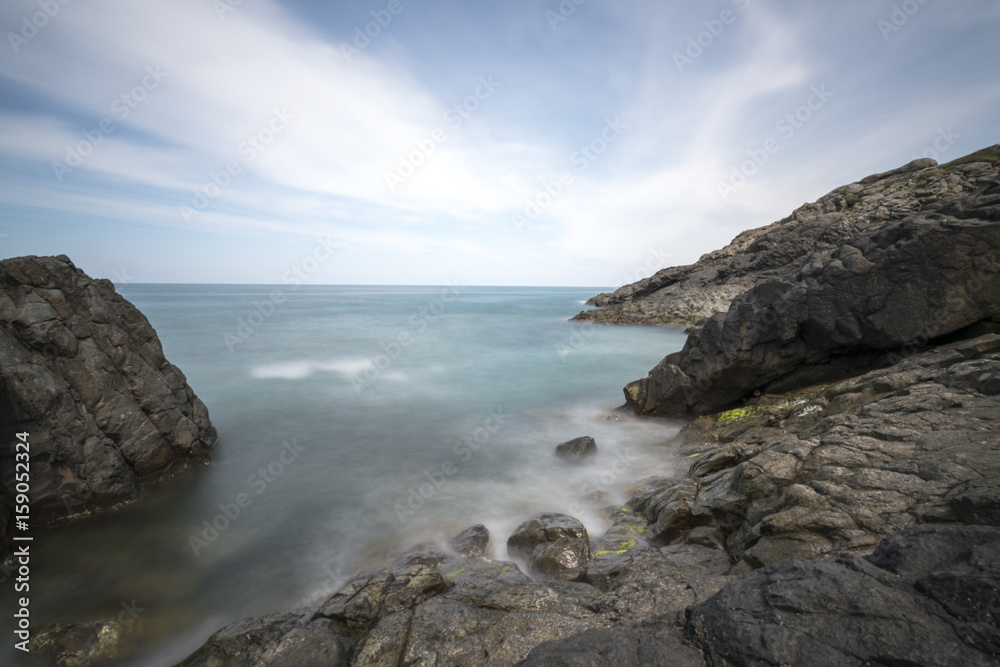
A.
x: 354, y: 422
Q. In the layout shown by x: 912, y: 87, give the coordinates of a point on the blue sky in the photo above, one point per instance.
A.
x: 585, y: 142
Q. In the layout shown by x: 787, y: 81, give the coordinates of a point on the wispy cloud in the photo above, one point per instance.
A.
x: 472, y: 156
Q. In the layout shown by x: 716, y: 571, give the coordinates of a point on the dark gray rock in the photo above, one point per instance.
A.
x: 487, y: 613
x: 939, y: 607
x: 958, y: 567
x: 286, y: 638
x: 361, y: 604
x: 473, y: 542
x: 895, y: 288
x: 83, y: 372
x: 577, y: 450
x: 555, y: 545
x: 653, y: 644
x: 841, y: 466
x: 312, y: 645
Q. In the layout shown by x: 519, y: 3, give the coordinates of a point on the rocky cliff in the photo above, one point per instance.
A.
x: 682, y: 295
x: 83, y: 372
x: 904, y: 284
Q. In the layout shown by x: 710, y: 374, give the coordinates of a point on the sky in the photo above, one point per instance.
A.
x: 522, y: 142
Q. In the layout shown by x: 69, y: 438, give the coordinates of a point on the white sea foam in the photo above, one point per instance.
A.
x: 349, y: 368
x: 300, y: 370
x: 291, y: 370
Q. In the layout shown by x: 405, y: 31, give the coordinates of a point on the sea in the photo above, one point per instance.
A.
x: 354, y: 422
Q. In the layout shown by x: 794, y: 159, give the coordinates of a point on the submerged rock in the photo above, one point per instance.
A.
x: 577, y: 450
x: 83, y: 372
x: 555, y: 545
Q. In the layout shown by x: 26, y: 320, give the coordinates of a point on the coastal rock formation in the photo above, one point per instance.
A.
x: 903, y: 284
x: 844, y: 510
x: 838, y: 467
x: 83, y: 372
x: 683, y: 295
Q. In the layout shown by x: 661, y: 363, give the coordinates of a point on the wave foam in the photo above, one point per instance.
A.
x: 300, y: 370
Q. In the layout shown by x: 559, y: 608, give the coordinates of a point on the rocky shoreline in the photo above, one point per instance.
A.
x: 854, y: 522
x: 841, y: 500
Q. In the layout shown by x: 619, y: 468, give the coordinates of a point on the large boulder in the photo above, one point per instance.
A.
x: 928, y: 596
x: 899, y: 286
x: 83, y: 372
x: 555, y: 545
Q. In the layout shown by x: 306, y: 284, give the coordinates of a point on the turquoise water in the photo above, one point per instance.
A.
x: 354, y: 422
